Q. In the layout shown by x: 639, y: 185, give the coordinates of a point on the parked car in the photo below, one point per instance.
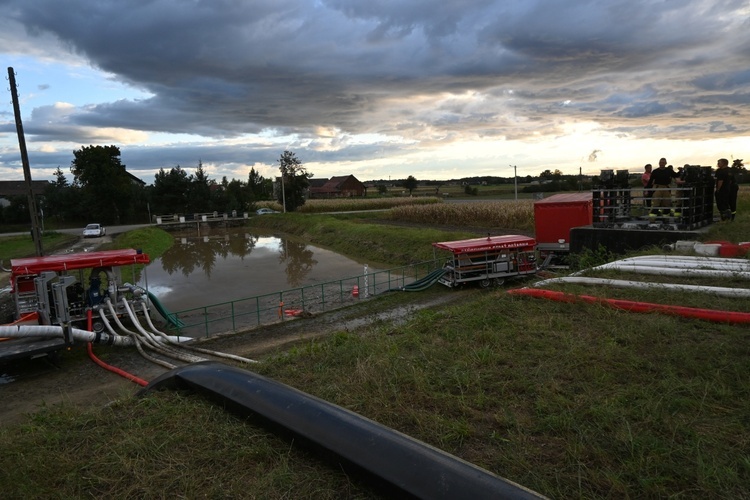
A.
x: 94, y: 231
x: 265, y: 211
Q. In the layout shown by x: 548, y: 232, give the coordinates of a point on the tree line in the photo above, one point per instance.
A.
x: 103, y: 191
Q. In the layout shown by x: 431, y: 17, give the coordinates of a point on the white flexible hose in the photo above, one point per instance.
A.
x: 152, y: 338
x: 136, y: 341
x: 55, y: 331
x: 140, y: 341
x: 689, y: 258
x: 725, y: 265
x: 720, y: 291
x: 689, y: 271
x: 659, y: 264
x: 194, y: 348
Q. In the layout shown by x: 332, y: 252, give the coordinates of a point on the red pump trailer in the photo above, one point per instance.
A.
x: 63, y: 290
x: 487, y: 261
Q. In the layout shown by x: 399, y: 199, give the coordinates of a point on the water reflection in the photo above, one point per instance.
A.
x: 298, y: 259
x: 228, y: 264
x: 191, y: 253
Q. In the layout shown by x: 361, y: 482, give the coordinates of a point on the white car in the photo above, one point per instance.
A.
x: 94, y: 231
x: 264, y: 211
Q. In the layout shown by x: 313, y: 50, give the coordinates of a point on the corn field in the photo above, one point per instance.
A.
x: 431, y: 210
x: 500, y: 214
x: 351, y: 204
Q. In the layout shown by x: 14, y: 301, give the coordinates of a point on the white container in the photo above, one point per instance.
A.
x: 711, y: 249
x: 684, y: 246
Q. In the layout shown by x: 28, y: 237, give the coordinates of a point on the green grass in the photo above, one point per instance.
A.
x: 355, y: 236
x: 151, y: 240
x: 154, y: 456
x: 13, y: 247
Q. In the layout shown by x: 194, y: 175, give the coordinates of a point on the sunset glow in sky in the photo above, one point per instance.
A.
x: 434, y: 89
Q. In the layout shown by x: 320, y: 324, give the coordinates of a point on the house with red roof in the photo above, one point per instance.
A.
x: 346, y: 186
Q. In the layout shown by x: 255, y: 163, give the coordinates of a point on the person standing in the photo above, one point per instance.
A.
x: 726, y: 190
x: 661, y: 198
x: 645, y: 178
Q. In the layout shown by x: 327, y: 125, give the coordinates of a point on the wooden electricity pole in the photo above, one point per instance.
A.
x: 36, y: 233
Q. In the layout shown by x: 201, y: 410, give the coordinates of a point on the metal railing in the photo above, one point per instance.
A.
x: 198, y: 217
x: 250, y: 312
x: 687, y: 208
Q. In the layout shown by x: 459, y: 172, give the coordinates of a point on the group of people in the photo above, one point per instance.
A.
x: 656, y: 183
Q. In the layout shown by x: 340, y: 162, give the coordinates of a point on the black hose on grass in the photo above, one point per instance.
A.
x: 400, y: 461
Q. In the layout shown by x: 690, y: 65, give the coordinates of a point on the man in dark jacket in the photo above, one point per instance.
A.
x: 661, y: 200
x: 726, y: 190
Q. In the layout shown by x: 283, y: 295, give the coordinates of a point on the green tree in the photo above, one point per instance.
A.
x: 169, y: 194
x: 257, y: 184
x: 295, y: 179
x: 546, y: 175
x: 199, y: 191
x: 219, y: 198
x: 410, y: 183
x: 106, y: 190
x: 239, y: 196
x: 17, y: 211
x: 59, y: 200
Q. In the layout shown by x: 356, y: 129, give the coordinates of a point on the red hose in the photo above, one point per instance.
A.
x: 113, y: 369
x: 642, y: 307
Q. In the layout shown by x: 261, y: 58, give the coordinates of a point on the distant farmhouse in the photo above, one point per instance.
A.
x: 346, y: 186
x: 9, y: 189
x: 136, y: 181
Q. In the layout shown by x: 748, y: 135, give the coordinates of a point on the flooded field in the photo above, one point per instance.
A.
x: 222, y: 265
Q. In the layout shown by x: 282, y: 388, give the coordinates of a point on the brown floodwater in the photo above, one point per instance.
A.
x: 221, y: 265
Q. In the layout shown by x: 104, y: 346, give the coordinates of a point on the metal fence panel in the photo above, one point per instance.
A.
x: 250, y: 312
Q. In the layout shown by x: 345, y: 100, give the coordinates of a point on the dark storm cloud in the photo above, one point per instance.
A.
x: 221, y: 68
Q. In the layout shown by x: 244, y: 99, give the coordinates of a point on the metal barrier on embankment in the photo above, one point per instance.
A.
x: 269, y: 308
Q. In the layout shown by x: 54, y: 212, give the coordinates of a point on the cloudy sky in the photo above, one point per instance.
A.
x: 437, y: 89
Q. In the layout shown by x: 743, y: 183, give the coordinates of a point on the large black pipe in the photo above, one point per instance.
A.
x: 407, y: 464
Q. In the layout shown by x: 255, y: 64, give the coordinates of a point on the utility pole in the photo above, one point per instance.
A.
x: 515, y: 180
x: 36, y: 233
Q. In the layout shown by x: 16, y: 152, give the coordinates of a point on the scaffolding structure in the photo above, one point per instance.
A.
x: 618, y: 205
